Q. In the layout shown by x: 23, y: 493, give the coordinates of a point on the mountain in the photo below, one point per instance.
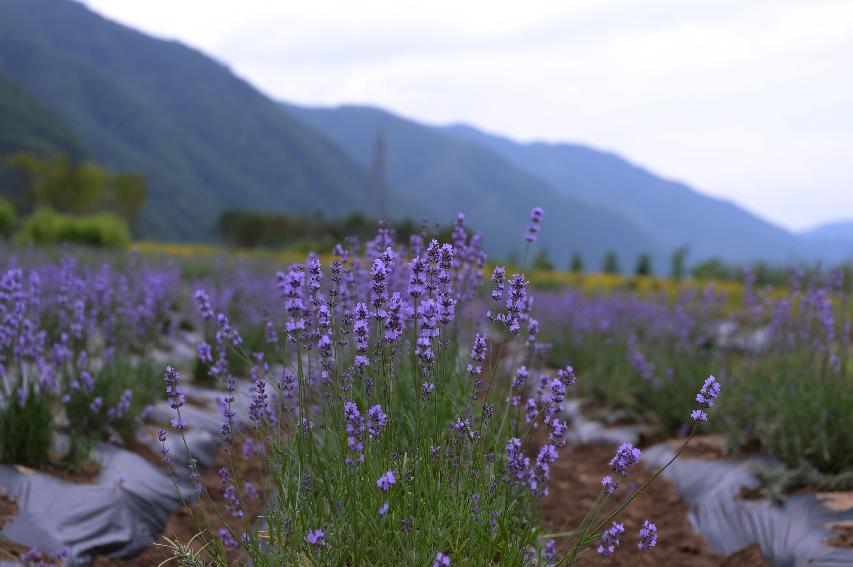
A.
x: 205, y: 139
x: 841, y: 230
x: 28, y: 125
x: 443, y: 174
x: 835, y: 237
x: 671, y: 212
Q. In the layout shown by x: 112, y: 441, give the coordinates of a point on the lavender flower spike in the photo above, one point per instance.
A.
x: 648, y: 536
x: 316, y: 538
x: 441, y: 560
x: 535, y: 220
x: 626, y: 456
x: 706, y: 397
x: 386, y: 481
x: 610, y: 539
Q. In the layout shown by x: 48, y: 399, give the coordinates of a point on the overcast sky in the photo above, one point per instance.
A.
x: 752, y: 101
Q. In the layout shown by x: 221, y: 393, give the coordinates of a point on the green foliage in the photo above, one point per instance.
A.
x: 778, y: 275
x: 679, y: 258
x: 644, y: 265
x: 94, y: 421
x: 8, y: 219
x: 26, y: 429
x: 663, y: 396
x: 798, y: 408
x: 46, y: 226
x: 716, y: 269
x: 576, y: 263
x: 611, y: 263
x: 129, y: 194
x: 542, y: 261
x: 69, y: 186
x: 252, y: 229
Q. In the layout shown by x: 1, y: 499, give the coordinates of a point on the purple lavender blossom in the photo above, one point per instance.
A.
x: 648, y: 536
x: 706, y: 397
x: 226, y: 539
x: 427, y: 388
x: 535, y: 220
x: 610, y: 539
x: 540, y: 476
x: 516, y: 463
x: 608, y: 485
x: 499, y: 277
x: 355, y: 432
x: 377, y: 419
x: 383, y: 510
x: 316, y: 538
x: 441, y: 560
x: 386, y: 481
x: 626, y: 456
x: 202, y: 301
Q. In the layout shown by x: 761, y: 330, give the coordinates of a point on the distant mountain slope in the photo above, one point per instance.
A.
x: 671, y: 212
x: 443, y: 174
x: 841, y: 230
x: 835, y: 238
x: 27, y: 125
x: 205, y: 139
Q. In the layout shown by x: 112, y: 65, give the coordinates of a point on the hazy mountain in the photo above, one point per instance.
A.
x: 841, y: 230
x: 671, y: 212
x: 204, y: 138
x: 444, y: 174
x: 28, y: 125
x: 834, y: 238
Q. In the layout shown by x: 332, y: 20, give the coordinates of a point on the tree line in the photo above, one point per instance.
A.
x: 61, y: 198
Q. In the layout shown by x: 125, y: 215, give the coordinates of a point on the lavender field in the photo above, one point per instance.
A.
x: 409, y: 403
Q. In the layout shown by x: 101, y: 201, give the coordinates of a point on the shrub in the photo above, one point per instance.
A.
x: 108, y: 403
x: 8, y: 218
x: 48, y: 227
x: 26, y: 425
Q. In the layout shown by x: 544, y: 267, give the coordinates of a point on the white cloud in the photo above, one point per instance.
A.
x: 751, y: 101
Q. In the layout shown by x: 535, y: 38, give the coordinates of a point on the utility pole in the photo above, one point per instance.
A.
x: 378, y: 183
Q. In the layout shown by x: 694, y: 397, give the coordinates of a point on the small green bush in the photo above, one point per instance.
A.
x: 115, y: 412
x: 46, y: 226
x: 26, y: 426
x: 7, y: 218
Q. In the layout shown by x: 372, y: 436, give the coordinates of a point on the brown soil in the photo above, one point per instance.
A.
x: 575, y: 486
x: 752, y: 493
x: 151, y: 455
x: 8, y: 508
x: 203, y: 403
x: 87, y: 473
x: 843, y: 535
x: 747, y: 557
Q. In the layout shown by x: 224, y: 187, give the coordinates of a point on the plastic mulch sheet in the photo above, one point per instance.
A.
x: 792, y: 534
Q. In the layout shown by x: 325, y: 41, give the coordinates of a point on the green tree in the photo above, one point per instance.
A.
x: 7, y: 218
x: 644, y: 265
x: 611, y: 263
x: 576, y: 263
x: 679, y: 257
x: 542, y: 261
x: 130, y: 191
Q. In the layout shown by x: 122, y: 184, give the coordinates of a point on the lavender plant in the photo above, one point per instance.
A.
x: 383, y: 421
x: 785, y: 355
x: 67, y: 337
